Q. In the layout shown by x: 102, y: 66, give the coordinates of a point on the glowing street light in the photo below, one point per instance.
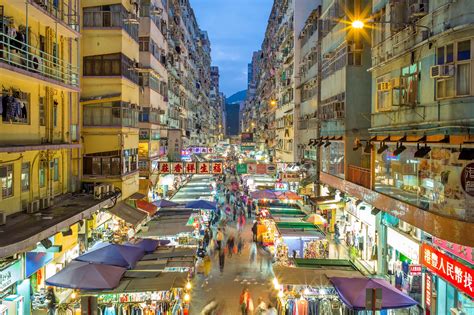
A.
x: 273, y: 102
x: 186, y: 297
x: 358, y: 24
x: 188, y: 286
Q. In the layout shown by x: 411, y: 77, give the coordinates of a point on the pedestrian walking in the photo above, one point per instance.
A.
x: 206, y: 239
x: 253, y: 252
x: 207, y: 266
x: 240, y: 246
x: 254, y: 230
x: 249, y: 210
x: 261, y: 307
x: 219, y: 238
x: 51, y: 300
x: 221, y: 259
x: 230, y: 245
x: 235, y: 214
x: 271, y: 310
x: 244, y: 301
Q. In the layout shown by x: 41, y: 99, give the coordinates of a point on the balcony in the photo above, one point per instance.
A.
x: 29, y: 59
x: 359, y: 175
x: 61, y: 11
x: 110, y: 114
x: 122, y: 19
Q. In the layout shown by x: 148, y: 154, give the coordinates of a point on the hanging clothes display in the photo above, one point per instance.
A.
x: 14, y: 105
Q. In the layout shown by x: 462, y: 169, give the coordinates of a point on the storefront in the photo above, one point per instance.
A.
x: 357, y: 228
x: 449, y: 287
x: 14, y: 294
x: 403, y: 261
x: 303, y: 240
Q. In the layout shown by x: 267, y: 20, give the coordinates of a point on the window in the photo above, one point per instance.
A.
x: 25, y: 176
x: 383, y: 95
x: 55, y: 167
x: 459, y: 56
x: 42, y: 174
x: 6, y: 180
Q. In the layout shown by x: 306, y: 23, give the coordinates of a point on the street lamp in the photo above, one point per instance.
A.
x: 273, y: 102
x: 358, y: 24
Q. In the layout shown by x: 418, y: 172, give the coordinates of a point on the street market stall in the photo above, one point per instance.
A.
x: 304, y: 239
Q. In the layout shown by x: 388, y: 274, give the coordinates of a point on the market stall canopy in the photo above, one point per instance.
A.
x: 163, y: 203
x: 146, y: 206
x: 316, y: 219
x: 137, y: 196
x: 201, y: 204
x: 147, y: 244
x: 310, y: 277
x: 166, y: 226
x: 353, y: 290
x: 170, y: 252
x: 87, y: 276
x: 263, y: 194
x: 128, y: 213
x: 287, y: 195
x: 115, y: 255
x: 164, y: 281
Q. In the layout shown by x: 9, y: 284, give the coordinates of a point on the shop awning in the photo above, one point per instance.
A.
x: 137, y: 196
x: 300, y: 229
x: 166, y: 226
x: 128, y: 214
x: 87, y: 276
x: 163, y: 203
x: 263, y: 194
x: 170, y: 252
x: 114, y: 254
x: 201, y: 204
x: 147, y: 244
x: 287, y: 195
x: 146, y: 206
x: 287, y: 213
x: 353, y: 290
x: 310, y: 277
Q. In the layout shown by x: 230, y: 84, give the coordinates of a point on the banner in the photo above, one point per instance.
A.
x: 459, y: 275
x: 191, y: 167
x: 242, y: 169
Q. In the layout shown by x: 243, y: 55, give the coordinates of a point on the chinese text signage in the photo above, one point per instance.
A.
x: 428, y: 286
x: 464, y: 252
x: 457, y: 274
x: 191, y: 168
x: 467, y: 179
x: 10, y: 275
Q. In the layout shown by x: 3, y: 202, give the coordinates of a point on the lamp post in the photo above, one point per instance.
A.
x: 361, y: 24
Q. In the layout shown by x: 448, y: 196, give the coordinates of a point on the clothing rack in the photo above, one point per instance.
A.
x: 14, y: 105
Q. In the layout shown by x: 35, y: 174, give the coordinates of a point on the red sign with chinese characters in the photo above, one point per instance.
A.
x: 191, y: 168
x: 165, y: 168
x: 204, y: 168
x: 261, y: 168
x: 428, y: 285
x: 178, y: 168
x: 415, y: 269
x: 217, y: 168
x: 449, y: 269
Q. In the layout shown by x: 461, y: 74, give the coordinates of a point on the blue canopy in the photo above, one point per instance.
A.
x: 147, y: 244
x: 115, y: 255
x: 87, y: 276
x: 201, y: 204
x: 163, y: 203
x: 352, y: 292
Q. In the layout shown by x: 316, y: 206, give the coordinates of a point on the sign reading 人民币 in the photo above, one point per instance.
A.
x: 10, y: 275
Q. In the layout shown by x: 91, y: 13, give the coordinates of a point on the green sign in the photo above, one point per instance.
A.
x: 247, y: 147
x: 242, y: 169
x: 10, y: 275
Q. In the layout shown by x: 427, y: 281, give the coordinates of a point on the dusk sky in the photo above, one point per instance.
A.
x: 236, y: 28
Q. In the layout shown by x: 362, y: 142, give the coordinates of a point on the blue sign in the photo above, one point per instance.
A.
x: 35, y: 261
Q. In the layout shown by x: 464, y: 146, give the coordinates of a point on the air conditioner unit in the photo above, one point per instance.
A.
x: 3, y: 218
x: 98, y: 192
x: 442, y: 71
x: 44, y: 203
x: 418, y: 9
x: 405, y: 227
x: 399, y: 82
x: 383, y: 86
x: 33, y: 207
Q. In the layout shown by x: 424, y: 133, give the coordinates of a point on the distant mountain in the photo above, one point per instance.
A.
x: 237, y: 97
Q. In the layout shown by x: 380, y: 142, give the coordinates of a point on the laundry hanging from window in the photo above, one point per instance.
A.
x: 14, y: 106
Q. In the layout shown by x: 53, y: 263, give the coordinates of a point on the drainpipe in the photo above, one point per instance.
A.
x: 318, y: 121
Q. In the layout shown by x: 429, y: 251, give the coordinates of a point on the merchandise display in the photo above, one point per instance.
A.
x: 316, y: 249
x: 310, y: 301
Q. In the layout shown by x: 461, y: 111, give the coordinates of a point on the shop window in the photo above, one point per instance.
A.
x: 332, y: 159
x: 42, y: 174
x: 55, y: 169
x: 459, y: 55
x: 6, y: 179
x: 25, y: 176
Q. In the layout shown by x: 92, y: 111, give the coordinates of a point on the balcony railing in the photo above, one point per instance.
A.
x: 23, y: 56
x: 359, y: 175
x: 112, y: 19
x: 110, y: 114
x: 63, y: 12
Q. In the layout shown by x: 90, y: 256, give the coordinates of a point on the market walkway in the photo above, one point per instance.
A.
x: 226, y: 287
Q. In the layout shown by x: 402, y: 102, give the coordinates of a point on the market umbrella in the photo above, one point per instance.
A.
x: 263, y: 194
x: 163, y: 203
x: 115, y: 255
x: 201, y: 204
x: 147, y: 244
x: 87, y: 276
x: 288, y: 195
x: 353, y: 290
x: 316, y: 219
